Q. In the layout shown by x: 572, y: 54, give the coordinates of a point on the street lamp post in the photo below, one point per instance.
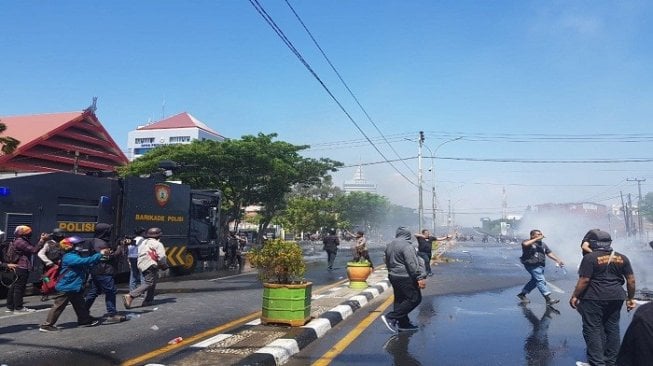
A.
x: 434, y: 197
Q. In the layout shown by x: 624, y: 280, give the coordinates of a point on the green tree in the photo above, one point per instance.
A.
x: 363, y: 209
x: 7, y: 144
x: 255, y: 170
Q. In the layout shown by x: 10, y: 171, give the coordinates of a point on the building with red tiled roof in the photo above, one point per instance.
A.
x: 178, y: 129
x: 60, y: 142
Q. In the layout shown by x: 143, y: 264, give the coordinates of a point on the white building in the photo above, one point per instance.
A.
x: 179, y: 129
x: 358, y: 184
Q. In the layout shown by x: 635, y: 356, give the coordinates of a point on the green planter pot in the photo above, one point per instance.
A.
x: 357, y: 272
x: 286, y: 304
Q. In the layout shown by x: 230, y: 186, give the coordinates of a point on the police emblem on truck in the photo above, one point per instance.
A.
x: 162, y: 193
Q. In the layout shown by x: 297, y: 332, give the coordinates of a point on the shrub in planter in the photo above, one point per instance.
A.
x: 286, y: 294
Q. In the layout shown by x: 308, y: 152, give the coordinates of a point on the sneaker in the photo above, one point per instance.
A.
x: 581, y: 363
x: 46, y: 328
x: 410, y: 327
x: 550, y: 301
x: 91, y: 323
x: 24, y: 310
x: 391, y: 324
x: 9, y: 310
x: 522, y: 298
x: 114, y: 319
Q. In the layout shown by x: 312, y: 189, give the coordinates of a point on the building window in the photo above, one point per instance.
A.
x: 178, y: 139
x: 144, y: 140
x: 141, y: 151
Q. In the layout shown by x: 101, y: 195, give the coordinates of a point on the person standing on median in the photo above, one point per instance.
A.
x: 407, y: 276
x: 534, y: 253
x: 151, y: 258
x: 599, y: 297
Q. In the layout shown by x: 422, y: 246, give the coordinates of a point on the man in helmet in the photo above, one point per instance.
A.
x: 50, y: 253
x: 23, y: 250
x: 70, y: 288
x: 151, y: 258
x: 102, y: 281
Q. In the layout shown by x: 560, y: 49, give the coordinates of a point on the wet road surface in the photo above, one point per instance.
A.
x: 470, y: 315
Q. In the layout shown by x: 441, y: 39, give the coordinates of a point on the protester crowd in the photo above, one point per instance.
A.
x: 80, y: 270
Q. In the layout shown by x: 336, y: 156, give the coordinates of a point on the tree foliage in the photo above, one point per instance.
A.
x: 255, y: 170
x: 7, y: 144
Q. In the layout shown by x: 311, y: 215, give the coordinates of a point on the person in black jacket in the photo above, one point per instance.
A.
x: 331, y: 243
x: 102, y: 280
x: 637, y: 345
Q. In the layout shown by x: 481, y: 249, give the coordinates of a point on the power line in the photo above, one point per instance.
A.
x: 525, y: 161
x: 345, y: 84
x: 259, y: 8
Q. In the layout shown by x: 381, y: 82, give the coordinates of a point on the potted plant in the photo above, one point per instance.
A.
x: 286, y: 294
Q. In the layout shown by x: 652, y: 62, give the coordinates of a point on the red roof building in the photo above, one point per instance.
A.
x: 60, y: 142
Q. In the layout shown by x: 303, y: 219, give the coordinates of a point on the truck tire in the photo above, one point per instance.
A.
x: 190, y: 262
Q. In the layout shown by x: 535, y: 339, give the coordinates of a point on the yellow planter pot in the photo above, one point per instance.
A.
x: 357, y: 272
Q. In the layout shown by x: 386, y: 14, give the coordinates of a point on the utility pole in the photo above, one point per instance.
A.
x: 639, y: 206
x: 420, y: 178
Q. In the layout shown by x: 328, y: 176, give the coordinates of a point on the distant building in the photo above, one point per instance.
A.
x: 358, y: 184
x: 60, y: 142
x: 587, y: 209
x: 179, y: 129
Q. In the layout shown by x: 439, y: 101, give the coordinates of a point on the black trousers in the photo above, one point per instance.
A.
x: 407, y: 297
x: 17, y: 290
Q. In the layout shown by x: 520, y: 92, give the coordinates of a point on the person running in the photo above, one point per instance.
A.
x: 70, y: 288
x: 407, y: 276
x: 151, y: 258
x: 534, y: 253
x: 599, y: 297
x: 425, y: 248
x: 331, y: 243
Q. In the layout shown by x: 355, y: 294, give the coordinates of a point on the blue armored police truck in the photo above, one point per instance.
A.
x: 75, y: 203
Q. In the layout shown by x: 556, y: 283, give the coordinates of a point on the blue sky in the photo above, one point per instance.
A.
x: 554, y: 80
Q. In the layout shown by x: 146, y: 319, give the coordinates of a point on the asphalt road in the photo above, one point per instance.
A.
x: 183, y: 307
x: 469, y: 315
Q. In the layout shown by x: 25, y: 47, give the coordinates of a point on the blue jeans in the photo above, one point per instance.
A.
x: 103, y: 284
x: 537, y: 280
x: 427, y: 261
x: 135, y: 276
x: 601, y: 330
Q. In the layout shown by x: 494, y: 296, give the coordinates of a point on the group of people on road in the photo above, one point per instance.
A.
x: 86, y: 270
x: 598, y: 295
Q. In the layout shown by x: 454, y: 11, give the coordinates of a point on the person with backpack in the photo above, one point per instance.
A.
x: 20, y: 252
x: 151, y: 258
x: 6, y: 266
x: 102, y: 281
x: 50, y: 253
x: 70, y: 285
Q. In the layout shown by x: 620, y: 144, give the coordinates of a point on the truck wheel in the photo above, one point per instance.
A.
x: 190, y: 262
